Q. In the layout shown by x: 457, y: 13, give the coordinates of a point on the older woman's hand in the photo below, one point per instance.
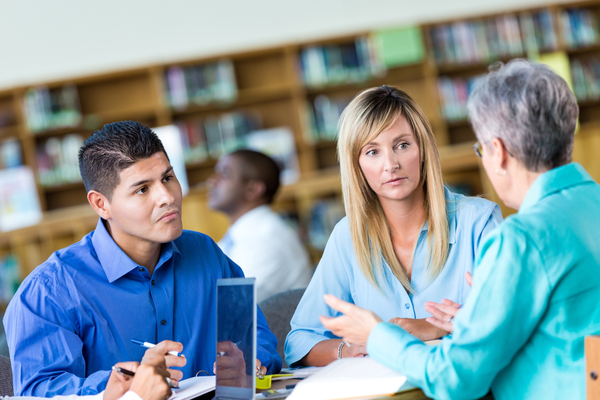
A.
x: 354, y: 326
x: 420, y: 328
x: 443, y: 314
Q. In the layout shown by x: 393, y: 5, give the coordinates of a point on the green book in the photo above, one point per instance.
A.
x: 399, y: 46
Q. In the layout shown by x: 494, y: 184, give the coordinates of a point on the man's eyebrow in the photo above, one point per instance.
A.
x: 144, y: 181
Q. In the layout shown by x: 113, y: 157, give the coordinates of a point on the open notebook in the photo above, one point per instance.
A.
x: 349, y: 378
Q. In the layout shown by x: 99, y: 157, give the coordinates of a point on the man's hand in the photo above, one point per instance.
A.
x: 419, y: 328
x: 162, y: 349
x: 119, y: 384
x: 150, y: 381
x: 354, y: 326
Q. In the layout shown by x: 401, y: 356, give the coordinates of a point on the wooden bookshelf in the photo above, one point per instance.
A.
x: 269, y: 82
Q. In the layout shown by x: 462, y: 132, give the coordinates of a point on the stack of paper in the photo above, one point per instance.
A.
x: 193, y: 387
x: 349, y: 378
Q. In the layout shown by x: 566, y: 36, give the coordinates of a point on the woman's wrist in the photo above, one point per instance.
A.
x: 340, y: 349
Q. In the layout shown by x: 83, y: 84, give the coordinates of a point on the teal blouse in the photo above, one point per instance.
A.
x: 535, y: 297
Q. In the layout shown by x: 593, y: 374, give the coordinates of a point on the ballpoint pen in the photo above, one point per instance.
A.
x: 150, y: 345
x: 123, y: 371
x: 127, y: 372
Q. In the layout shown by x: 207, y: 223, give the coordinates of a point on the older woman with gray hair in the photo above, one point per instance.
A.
x: 536, y: 283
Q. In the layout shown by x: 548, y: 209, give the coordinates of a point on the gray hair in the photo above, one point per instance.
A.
x: 530, y: 108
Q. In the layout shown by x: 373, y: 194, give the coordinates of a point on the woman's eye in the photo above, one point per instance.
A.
x: 403, y: 146
x: 371, y: 152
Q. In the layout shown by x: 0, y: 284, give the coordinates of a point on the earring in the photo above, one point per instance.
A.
x: 500, y: 171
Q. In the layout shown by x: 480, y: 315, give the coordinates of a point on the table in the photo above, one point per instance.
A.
x: 413, y: 394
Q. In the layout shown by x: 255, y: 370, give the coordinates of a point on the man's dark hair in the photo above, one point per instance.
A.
x: 260, y: 167
x: 112, y: 149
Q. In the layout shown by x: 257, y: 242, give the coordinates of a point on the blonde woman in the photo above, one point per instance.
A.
x: 406, y: 239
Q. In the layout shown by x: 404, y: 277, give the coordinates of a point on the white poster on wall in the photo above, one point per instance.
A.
x: 19, y: 202
x: 171, y: 139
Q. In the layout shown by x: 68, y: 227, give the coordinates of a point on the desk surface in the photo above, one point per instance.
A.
x: 413, y: 394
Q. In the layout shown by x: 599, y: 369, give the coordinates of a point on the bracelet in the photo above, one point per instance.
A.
x: 339, y: 356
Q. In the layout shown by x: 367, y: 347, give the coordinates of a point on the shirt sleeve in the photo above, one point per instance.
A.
x: 489, y: 330
x: 266, y: 349
x: 484, y: 226
x: 331, y: 276
x: 39, y: 320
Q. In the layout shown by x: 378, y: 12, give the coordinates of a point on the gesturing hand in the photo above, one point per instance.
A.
x: 354, y: 326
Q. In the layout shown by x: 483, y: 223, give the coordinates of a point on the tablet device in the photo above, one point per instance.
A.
x: 236, y: 339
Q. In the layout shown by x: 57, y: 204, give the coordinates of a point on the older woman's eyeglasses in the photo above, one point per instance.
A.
x: 477, y: 149
x: 478, y: 146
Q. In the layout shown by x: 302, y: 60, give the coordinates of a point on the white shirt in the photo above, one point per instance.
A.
x: 266, y: 248
x: 129, y: 395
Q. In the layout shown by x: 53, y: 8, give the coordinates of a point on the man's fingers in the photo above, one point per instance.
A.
x: 174, y: 361
x: 174, y: 374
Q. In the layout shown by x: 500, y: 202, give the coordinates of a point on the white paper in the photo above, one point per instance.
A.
x: 193, y: 387
x: 348, y: 378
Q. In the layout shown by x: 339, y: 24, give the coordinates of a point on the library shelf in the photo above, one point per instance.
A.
x: 272, y: 84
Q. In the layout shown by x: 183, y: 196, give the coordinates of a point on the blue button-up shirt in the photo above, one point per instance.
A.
x: 534, y: 299
x: 74, y: 316
x: 470, y: 219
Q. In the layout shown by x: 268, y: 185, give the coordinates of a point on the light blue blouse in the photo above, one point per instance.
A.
x: 534, y: 300
x: 469, y: 220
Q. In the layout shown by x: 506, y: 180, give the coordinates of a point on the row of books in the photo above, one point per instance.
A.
x: 324, y: 114
x: 200, y: 84
x: 453, y: 94
x: 47, y: 109
x: 484, y: 40
x: 10, y: 154
x: 325, y: 214
x: 332, y: 64
x: 7, y: 116
x: 586, y: 78
x: 579, y: 27
x: 213, y: 136
x: 9, y: 277
x: 57, y: 160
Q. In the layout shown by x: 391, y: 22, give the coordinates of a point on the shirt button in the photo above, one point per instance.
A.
x: 163, y: 322
x: 153, y: 281
x: 141, y: 269
x: 407, y: 306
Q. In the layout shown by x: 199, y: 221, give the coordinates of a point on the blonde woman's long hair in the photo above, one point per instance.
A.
x: 371, y: 112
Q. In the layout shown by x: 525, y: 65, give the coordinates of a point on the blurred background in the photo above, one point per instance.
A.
x: 270, y: 75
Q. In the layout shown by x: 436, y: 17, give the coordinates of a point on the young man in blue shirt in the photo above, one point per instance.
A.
x: 137, y: 276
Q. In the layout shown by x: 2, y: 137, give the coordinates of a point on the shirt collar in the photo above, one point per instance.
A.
x: 555, y: 180
x: 451, y: 212
x: 113, y: 259
x: 247, y: 222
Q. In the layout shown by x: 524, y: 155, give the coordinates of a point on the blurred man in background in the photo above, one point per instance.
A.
x: 258, y: 240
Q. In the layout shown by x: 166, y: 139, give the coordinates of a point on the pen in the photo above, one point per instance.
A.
x: 123, y: 371
x: 150, y: 345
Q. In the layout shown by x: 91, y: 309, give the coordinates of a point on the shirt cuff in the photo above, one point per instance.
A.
x: 392, y: 346
x: 130, y: 395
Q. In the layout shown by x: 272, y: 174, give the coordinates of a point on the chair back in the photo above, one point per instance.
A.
x: 278, y: 310
x: 592, y: 361
x: 6, y: 378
